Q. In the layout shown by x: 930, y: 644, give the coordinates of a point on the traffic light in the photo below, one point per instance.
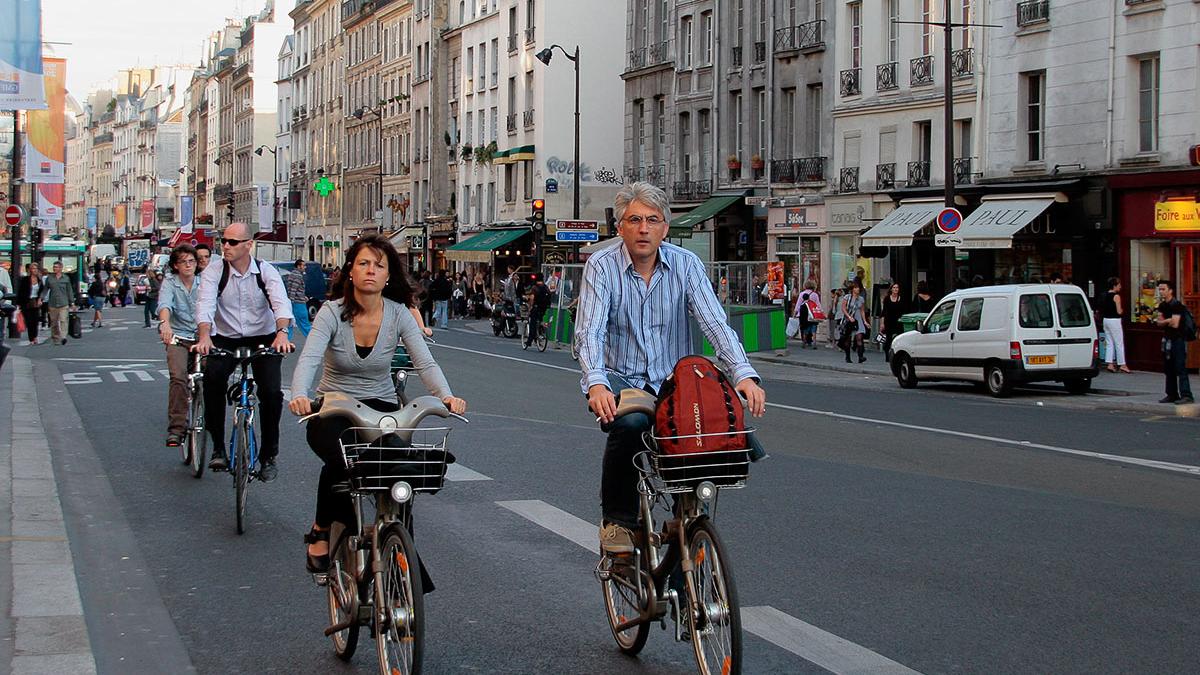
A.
x: 538, y: 218
x: 229, y: 212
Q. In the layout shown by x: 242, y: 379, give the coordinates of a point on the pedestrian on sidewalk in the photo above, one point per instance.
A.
x: 29, y: 299
x: 835, y: 304
x: 294, y: 282
x: 153, y: 284
x: 423, y: 284
x: 1112, y: 310
x: 923, y: 300
x: 853, y: 329
x: 1171, y: 316
x: 177, y: 316
x: 479, y: 295
x: 440, y: 290
x: 58, y: 294
x: 808, y: 324
x: 96, y: 293
x: 893, y: 308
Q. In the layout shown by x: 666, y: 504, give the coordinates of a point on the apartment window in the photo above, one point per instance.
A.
x: 818, y: 12
x: 1148, y: 88
x: 470, y: 66
x: 852, y: 149
x: 685, y: 146
x: 787, y: 143
x: 964, y: 36
x: 660, y: 121
x: 482, y: 66
x: 761, y: 33
x: 706, y: 38
x: 812, y: 119
x: 760, y: 104
x: 893, y: 31
x: 927, y: 8
x: 855, y: 12
x: 739, y: 22
x: 704, y: 137
x: 512, y: 95
x: 1035, y: 96
x: 495, y: 123
x: 512, y: 28
x: 738, y: 123
x: 482, y: 127
x: 491, y: 202
x: 642, y: 37
x: 887, y: 146
x: 685, y: 43
x: 664, y: 20
x: 495, y: 61
x: 964, y: 139
x: 528, y: 187
x: 529, y: 90
x: 510, y: 183
x: 467, y: 129
x: 639, y: 134
x: 923, y: 139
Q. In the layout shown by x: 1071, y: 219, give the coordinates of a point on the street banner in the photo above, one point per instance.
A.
x: 265, y: 215
x: 119, y: 220
x: 186, y: 210
x: 45, y: 134
x: 147, y: 216
x: 21, y: 85
x: 50, y: 200
x: 93, y: 215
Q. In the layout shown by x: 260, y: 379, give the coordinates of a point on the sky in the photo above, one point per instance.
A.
x: 109, y: 35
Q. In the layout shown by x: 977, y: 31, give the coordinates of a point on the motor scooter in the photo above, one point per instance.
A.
x: 504, y: 319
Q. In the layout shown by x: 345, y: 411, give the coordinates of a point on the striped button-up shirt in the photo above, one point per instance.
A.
x: 640, y: 331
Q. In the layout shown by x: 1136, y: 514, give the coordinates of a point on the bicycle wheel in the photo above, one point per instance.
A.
x: 342, y: 589
x: 525, y: 337
x: 622, y: 600
x: 400, y: 620
x: 241, y: 472
x: 197, y: 439
x: 541, y: 339
x: 716, y: 619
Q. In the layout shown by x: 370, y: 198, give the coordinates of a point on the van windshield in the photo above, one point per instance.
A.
x: 1072, y: 310
x: 1035, y: 311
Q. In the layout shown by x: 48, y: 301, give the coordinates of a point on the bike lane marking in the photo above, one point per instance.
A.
x: 833, y: 653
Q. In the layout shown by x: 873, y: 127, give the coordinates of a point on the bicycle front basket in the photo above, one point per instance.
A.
x: 379, y: 464
x: 682, y: 472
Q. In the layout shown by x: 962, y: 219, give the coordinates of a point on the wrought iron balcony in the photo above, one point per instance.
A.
x: 692, y: 190
x: 511, y: 123
x: 885, y: 176
x: 807, y: 37
x: 223, y: 193
x: 848, y: 179
x: 851, y: 84
x: 637, y: 58
x: 918, y: 174
x: 527, y: 118
x: 962, y: 62
x: 660, y: 53
x: 530, y: 34
x: 920, y: 70
x: 1033, y: 12
x: 655, y: 175
x: 798, y: 170
x: 885, y: 76
x: 785, y: 40
x: 962, y: 171
x: 736, y: 56
x: 760, y: 52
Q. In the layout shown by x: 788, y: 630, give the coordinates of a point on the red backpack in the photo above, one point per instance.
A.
x: 697, y: 399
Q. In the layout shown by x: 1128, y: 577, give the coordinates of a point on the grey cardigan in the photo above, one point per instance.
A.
x: 332, y: 342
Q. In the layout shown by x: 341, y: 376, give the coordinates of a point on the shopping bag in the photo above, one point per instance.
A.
x: 20, y: 323
x: 793, y: 327
x: 74, y: 326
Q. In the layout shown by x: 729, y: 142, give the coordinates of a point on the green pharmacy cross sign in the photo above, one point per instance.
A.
x: 324, y: 186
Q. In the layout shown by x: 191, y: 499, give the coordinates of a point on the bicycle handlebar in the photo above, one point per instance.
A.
x: 242, y: 355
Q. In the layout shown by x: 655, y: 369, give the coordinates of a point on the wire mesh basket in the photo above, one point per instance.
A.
x: 376, y: 462
x: 682, y: 472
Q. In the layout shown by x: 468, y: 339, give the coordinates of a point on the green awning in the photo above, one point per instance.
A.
x: 682, y: 226
x: 479, y: 247
x: 519, y: 153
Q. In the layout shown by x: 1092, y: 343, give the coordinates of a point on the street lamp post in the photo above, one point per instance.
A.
x: 378, y: 110
x: 544, y: 56
x: 274, y: 181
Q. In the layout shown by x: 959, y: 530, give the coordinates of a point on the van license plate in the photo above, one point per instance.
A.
x: 1040, y: 360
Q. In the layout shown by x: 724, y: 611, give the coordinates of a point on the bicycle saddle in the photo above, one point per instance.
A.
x: 636, y: 400
x: 401, y: 423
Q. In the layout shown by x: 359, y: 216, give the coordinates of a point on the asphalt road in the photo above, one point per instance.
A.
x: 938, y: 529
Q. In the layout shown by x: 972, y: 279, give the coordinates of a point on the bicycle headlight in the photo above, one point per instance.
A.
x: 388, y: 424
x: 401, y: 492
x: 705, y: 491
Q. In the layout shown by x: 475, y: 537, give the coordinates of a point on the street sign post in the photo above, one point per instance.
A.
x: 948, y: 221
x: 578, y: 225
x: 577, y: 235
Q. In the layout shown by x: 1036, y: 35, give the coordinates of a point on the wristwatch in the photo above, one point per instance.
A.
x: 281, y: 330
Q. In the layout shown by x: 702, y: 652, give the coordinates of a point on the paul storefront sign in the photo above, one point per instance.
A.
x: 1177, y: 215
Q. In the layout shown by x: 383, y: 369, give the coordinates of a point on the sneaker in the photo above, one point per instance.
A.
x: 1185, y: 400
x: 267, y: 471
x: 64, y: 342
x: 219, y: 461
x: 1167, y: 399
x: 174, y: 441
x: 616, y: 540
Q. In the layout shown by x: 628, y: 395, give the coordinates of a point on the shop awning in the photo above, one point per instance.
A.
x: 999, y: 217
x: 898, y: 227
x: 682, y: 226
x: 479, y: 247
x: 517, y: 154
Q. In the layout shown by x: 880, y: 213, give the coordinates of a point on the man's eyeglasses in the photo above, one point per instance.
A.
x: 649, y: 220
x: 232, y: 242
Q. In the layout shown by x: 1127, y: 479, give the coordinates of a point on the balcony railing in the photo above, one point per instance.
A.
x: 920, y: 70
x: 655, y: 175
x: 691, y: 190
x: 962, y: 171
x: 511, y: 123
x: 760, y: 52
x: 851, y: 84
x: 848, y: 179
x: 637, y: 58
x: 785, y: 40
x: 1032, y: 12
x: 918, y: 174
x: 798, y: 170
x: 530, y: 34
x: 885, y: 176
x: 223, y: 193
x: 736, y: 56
x: 962, y: 62
x: 512, y: 42
x: 527, y: 118
x: 659, y: 53
x: 420, y: 77
x: 810, y: 36
x: 885, y: 76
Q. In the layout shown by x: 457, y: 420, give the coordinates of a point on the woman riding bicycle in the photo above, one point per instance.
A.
x: 177, y: 319
x: 354, y: 335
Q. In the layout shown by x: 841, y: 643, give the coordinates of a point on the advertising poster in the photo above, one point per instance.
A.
x: 119, y: 223
x: 93, y: 215
x: 186, y: 214
x: 147, y: 211
x: 50, y: 198
x: 265, y: 218
x: 775, y: 281
x: 45, y: 133
x: 21, y: 85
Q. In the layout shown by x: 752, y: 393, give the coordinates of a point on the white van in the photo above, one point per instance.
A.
x: 1002, y: 336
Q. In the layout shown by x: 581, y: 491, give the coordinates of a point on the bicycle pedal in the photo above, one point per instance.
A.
x: 321, y: 578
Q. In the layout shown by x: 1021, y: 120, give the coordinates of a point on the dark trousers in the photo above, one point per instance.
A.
x: 1175, y: 367
x: 267, y: 382
x: 535, y: 323
x: 151, y: 310
x: 618, y: 481
x: 32, y: 321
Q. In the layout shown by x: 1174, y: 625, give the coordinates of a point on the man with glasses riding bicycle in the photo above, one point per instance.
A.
x: 634, y: 305
x: 243, y: 303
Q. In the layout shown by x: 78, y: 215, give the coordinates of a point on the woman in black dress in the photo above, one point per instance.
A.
x: 893, y: 309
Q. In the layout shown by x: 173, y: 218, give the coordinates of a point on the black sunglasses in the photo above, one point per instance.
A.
x: 233, y: 242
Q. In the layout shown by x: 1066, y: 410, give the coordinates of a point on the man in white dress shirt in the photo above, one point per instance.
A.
x: 250, y: 309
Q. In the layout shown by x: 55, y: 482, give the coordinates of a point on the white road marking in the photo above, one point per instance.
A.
x: 1137, y: 461
x: 119, y: 328
x: 458, y: 472
x: 833, y: 653
x: 805, y: 640
x: 555, y: 423
x: 507, y: 358
x: 133, y: 361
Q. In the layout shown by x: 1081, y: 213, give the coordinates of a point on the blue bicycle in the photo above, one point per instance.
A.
x: 243, y: 444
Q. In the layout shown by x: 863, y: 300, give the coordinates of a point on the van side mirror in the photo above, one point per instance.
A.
x: 921, y: 326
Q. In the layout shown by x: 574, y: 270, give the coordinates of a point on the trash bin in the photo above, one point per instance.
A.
x: 909, y: 321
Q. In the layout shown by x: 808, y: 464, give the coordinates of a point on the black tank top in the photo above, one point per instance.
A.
x: 1109, y: 308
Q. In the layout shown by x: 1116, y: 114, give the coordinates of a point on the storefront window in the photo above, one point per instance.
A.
x: 1149, y: 261
x: 1033, y: 262
x: 842, y: 259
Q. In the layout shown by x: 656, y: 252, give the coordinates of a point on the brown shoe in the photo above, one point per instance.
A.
x: 615, y: 540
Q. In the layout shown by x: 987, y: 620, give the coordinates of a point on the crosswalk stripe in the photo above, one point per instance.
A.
x: 557, y: 521
x: 458, y: 472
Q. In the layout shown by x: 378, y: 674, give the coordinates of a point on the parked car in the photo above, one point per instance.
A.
x: 141, y: 289
x: 1002, y: 336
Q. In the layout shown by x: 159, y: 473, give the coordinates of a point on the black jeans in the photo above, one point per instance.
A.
x: 535, y: 323
x: 323, y: 437
x: 618, y: 481
x: 267, y: 382
x: 1175, y: 367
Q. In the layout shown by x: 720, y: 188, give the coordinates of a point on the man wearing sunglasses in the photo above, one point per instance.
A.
x: 246, y: 306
